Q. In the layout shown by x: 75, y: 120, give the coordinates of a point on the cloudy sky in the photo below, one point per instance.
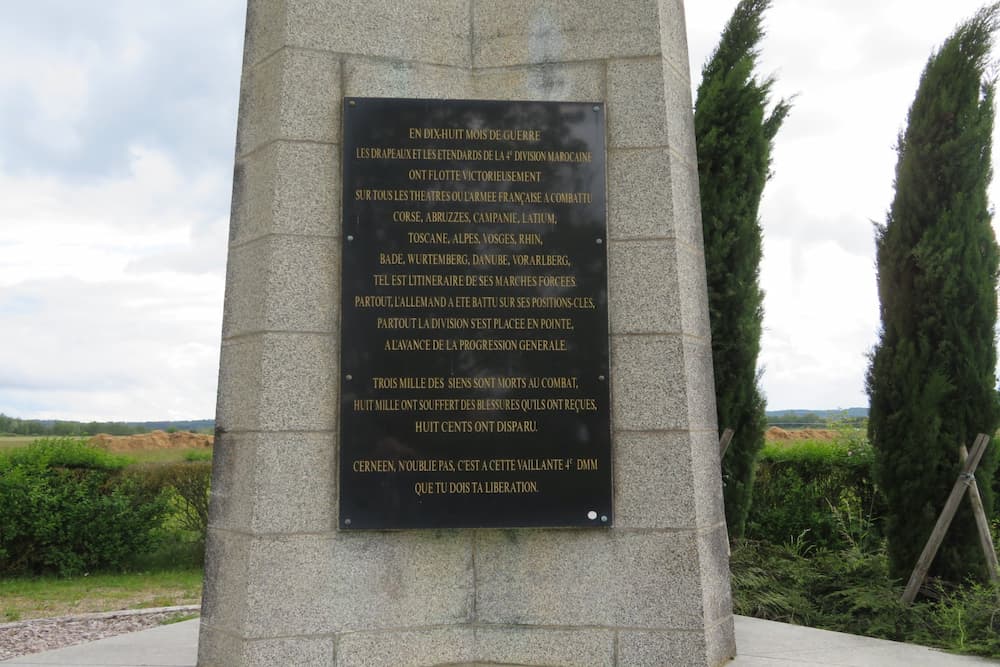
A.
x: 117, y: 126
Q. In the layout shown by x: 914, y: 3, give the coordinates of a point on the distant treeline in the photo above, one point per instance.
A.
x: 56, y: 427
x: 786, y: 419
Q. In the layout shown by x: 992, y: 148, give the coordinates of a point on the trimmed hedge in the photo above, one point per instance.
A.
x: 67, y: 507
x: 816, y: 492
x: 187, y: 484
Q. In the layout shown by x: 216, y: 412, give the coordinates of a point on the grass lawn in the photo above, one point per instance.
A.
x: 23, y: 598
x: 164, y: 455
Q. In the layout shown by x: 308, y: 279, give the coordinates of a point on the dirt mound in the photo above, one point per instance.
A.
x: 777, y: 433
x: 149, y: 441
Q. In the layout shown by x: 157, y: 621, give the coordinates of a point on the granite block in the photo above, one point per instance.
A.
x: 287, y: 188
x: 679, y: 115
x: 543, y: 31
x: 297, y: 651
x: 239, y: 384
x: 653, y: 481
x: 283, y: 283
x: 289, y: 587
x: 280, y: 462
x: 707, y: 478
x: 588, y: 578
x: 266, y: 30
x: 642, y: 284
x: 426, y: 647
x: 293, y: 95
x: 685, y: 200
x: 322, y: 583
x: 693, y: 292
x: 720, y: 641
x: 636, y: 108
x: 243, y: 310
x: 223, y: 604
x: 656, y: 649
x: 368, y: 77
x: 556, y: 82
x: 647, y: 375
x: 639, y: 194
x: 299, y: 376
x: 673, y: 36
x: 700, y: 384
x: 278, y: 382
x: 548, y: 647
x: 303, y: 284
x: 217, y: 648
x: 227, y: 504
x: 429, y: 31
x: 713, y: 557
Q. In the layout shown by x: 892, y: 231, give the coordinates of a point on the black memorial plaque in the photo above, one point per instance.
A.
x: 474, y: 339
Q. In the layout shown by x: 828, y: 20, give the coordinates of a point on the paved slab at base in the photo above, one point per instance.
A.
x: 174, y: 645
x: 760, y: 644
x: 769, y: 644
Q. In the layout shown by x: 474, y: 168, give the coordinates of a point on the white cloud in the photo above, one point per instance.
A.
x: 111, y: 292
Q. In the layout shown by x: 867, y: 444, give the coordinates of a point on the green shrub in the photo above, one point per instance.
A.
x: 819, y: 492
x: 67, y: 507
x: 187, y: 484
x: 965, y: 619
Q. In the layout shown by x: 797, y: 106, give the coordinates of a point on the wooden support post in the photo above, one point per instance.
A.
x: 944, y: 521
x: 982, y: 524
x: 727, y: 437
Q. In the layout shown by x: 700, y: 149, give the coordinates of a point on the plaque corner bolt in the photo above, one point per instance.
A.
x: 350, y: 237
x: 348, y: 377
x: 599, y: 240
x: 352, y: 103
x: 347, y: 522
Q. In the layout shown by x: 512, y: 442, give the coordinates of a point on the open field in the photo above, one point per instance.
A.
x: 12, y: 441
x: 146, y: 448
x: 25, y: 598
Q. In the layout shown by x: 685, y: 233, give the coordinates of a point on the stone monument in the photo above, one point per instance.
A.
x: 466, y: 411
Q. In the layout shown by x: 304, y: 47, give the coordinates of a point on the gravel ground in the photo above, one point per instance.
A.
x: 45, y: 634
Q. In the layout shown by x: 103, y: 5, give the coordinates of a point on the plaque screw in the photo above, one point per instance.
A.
x: 352, y: 103
x: 347, y: 522
x: 591, y: 515
x: 604, y: 518
x: 597, y: 108
x: 599, y: 377
x: 350, y: 237
x: 349, y: 376
x: 599, y: 241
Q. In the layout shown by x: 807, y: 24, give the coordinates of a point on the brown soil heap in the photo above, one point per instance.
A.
x: 154, y: 440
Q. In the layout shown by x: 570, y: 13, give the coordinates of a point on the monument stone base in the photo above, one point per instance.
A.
x: 284, y: 585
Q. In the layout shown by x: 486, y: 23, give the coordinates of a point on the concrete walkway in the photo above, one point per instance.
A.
x: 760, y: 644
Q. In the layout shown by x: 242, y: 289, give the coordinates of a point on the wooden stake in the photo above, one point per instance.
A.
x: 727, y: 437
x: 982, y: 524
x: 944, y: 521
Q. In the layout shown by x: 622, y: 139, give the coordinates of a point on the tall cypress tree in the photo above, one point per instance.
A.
x: 735, y: 135
x: 931, y: 377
